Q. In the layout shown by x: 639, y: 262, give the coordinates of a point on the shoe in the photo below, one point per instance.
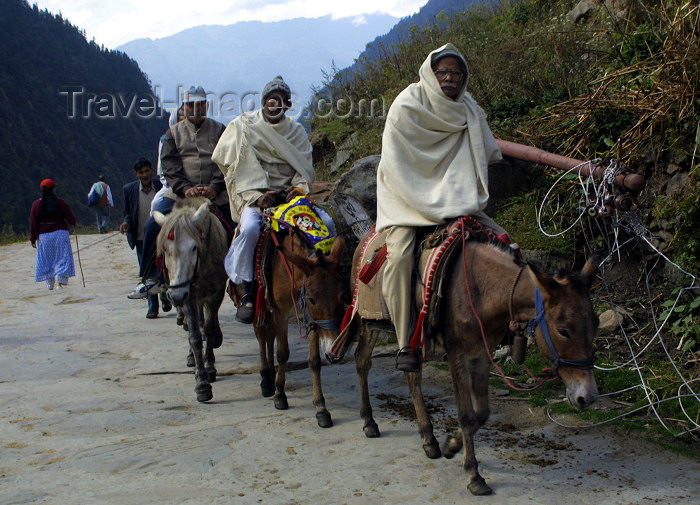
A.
x: 408, y: 360
x: 149, y: 287
x: 152, y: 315
x: 246, y: 311
x: 165, y: 304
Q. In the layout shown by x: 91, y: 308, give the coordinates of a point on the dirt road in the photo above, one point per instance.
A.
x: 98, y: 407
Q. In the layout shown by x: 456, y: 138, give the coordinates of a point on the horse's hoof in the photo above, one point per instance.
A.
x: 478, y: 487
x: 211, y: 374
x: 432, y: 449
x: 451, y: 447
x: 371, y: 430
x: 203, y: 390
x: 180, y: 320
x: 217, y: 339
x: 324, y: 419
x: 267, y: 391
x: 281, y: 402
x: 190, y: 361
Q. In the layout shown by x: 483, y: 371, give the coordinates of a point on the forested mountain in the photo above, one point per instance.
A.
x: 71, y: 110
x: 429, y: 14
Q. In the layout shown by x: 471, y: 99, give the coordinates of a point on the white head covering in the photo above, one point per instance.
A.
x: 435, y: 154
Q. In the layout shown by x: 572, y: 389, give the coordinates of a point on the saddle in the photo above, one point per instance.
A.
x: 436, y: 250
x: 433, y: 256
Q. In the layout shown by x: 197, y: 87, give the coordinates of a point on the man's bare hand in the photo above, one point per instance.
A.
x: 124, y: 227
x: 292, y: 192
x: 208, y: 192
x: 192, y: 192
x: 267, y: 200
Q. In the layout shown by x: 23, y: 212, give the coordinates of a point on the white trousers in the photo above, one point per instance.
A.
x: 240, y: 259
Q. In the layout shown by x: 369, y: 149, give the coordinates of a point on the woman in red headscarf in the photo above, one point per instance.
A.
x: 49, y: 220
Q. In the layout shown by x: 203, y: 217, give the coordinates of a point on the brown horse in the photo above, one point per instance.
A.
x: 489, y: 281
x: 298, y: 271
x: 194, y: 244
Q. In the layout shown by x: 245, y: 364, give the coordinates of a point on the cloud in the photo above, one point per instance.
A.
x: 115, y: 22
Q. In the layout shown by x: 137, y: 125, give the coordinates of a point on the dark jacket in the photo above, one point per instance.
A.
x: 131, y: 207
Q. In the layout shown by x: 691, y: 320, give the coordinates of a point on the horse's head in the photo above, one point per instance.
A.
x: 325, y: 292
x: 180, y: 242
x: 565, y: 327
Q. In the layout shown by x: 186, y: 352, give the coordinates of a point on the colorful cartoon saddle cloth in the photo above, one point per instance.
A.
x: 301, y: 214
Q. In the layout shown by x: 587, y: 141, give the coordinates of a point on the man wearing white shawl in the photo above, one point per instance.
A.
x: 436, y: 148
x: 261, y: 153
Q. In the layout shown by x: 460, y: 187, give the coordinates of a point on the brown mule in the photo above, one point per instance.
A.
x: 488, y: 280
x: 298, y: 271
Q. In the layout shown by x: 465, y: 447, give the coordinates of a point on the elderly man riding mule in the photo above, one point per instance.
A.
x: 266, y: 158
x: 436, y: 149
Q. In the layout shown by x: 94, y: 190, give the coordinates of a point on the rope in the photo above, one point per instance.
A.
x: 538, y: 381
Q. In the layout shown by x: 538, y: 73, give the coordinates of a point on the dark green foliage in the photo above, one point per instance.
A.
x: 41, y: 55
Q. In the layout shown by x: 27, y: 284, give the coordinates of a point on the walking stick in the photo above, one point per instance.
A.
x: 77, y: 248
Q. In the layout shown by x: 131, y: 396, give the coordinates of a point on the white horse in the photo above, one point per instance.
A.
x: 194, y: 244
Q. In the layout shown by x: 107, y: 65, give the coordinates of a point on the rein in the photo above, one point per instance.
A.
x: 289, y: 269
x: 539, y: 381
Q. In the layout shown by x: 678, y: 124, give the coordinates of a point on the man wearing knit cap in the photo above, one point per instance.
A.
x: 436, y: 148
x: 262, y: 153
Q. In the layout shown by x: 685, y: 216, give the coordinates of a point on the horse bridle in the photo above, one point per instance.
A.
x: 540, y: 320
x: 313, y: 324
x: 192, y: 280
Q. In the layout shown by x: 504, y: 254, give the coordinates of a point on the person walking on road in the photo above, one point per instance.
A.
x: 49, y: 220
x: 101, y: 194
x: 138, y: 196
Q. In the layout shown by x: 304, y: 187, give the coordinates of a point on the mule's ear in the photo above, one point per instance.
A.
x: 591, y: 267
x: 159, y: 217
x: 293, y: 253
x: 201, y: 213
x: 546, y: 283
x: 301, y: 260
x: 336, y: 254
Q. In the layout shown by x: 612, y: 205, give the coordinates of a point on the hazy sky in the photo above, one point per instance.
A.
x: 115, y: 22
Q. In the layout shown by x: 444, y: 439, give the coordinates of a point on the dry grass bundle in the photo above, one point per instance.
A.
x: 650, y: 92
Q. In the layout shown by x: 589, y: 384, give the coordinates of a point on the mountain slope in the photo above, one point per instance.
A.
x: 234, y: 62
x: 46, y: 62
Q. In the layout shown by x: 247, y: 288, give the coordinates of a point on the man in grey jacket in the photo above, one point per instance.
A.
x: 189, y: 170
